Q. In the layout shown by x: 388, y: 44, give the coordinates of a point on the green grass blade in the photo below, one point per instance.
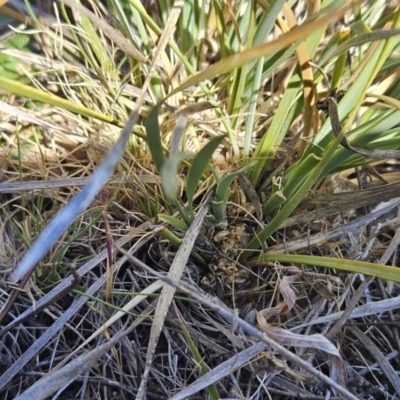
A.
x: 167, y: 234
x: 248, y: 136
x: 340, y: 63
x: 282, y: 121
x: 348, y: 105
x: 169, y: 174
x: 153, y: 136
x: 99, y: 53
x: 362, y: 267
x: 355, y: 95
x: 188, y: 22
x: 212, y: 390
x: 123, y: 17
x: 236, y: 101
x: 222, y: 192
x: 302, y: 172
x: 199, y: 164
x: 267, y: 22
x: 182, y: 211
x: 292, y: 202
x: 175, y: 222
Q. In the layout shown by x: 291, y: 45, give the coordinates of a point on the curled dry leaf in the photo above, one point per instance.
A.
x: 290, y: 339
x: 288, y: 294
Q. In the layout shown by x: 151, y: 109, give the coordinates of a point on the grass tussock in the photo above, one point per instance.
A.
x: 199, y: 200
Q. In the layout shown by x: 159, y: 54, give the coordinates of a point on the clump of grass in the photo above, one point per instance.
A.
x: 194, y: 133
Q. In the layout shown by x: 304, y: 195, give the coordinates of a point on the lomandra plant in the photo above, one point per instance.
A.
x: 244, y: 128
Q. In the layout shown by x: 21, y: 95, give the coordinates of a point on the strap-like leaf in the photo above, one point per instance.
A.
x: 169, y: 174
x: 198, y: 166
x: 222, y: 191
x: 154, y: 138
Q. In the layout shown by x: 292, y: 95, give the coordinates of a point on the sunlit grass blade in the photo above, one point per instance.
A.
x: 48, y: 98
x: 305, y: 70
x: 248, y: 137
x: 356, y: 41
x: 348, y: 105
x: 267, y: 21
x: 169, y: 174
x: 253, y: 54
x: 276, y: 199
x: 97, y: 52
x: 372, y: 62
x: 254, y: 77
x: 188, y: 21
x: 223, y: 33
x: 291, y: 185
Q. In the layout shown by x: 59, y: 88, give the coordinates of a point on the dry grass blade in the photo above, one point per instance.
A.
x: 43, y: 64
x: 306, y: 74
x: 320, y: 237
x: 288, y: 388
x: 373, y: 195
x: 365, y: 38
x: 227, y: 367
x: 25, y: 117
x: 357, y: 295
x: 82, y: 200
x: 164, y: 303
x: 369, y: 345
x: 61, y: 377
x: 58, y: 294
x: 251, y: 194
x: 39, y: 344
x: 154, y: 287
x: 376, y: 307
x: 317, y: 341
x: 18, y: 187
x: 49, y: 333
x: 353, y: 302
x: 83, y: 270
x: 174, y: 274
